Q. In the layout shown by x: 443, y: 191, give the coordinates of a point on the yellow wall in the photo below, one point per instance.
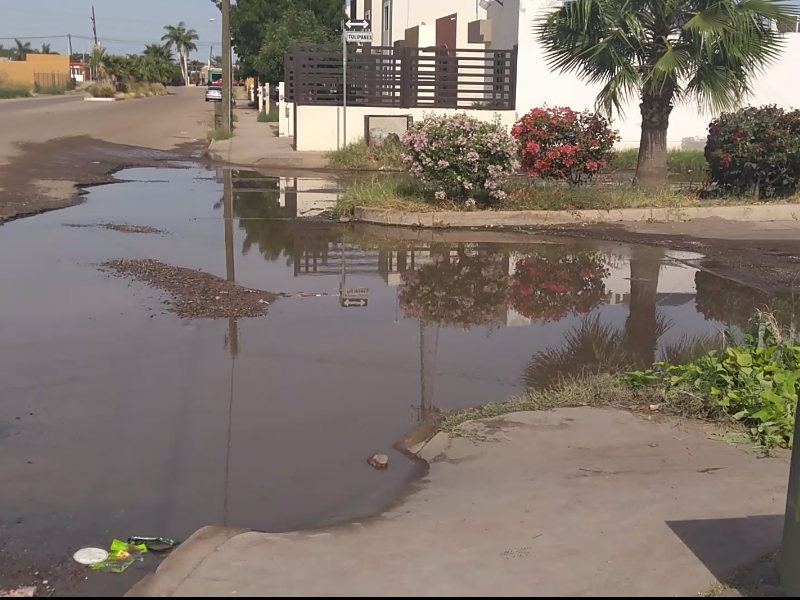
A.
x: 49, y: 63
x: 19, y: 74
x: 15, y: 74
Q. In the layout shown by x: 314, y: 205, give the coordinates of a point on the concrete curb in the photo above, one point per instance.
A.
x: 750, y: 213
x: 90, y: 99
x: 179, y: 565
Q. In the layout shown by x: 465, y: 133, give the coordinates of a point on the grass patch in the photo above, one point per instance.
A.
x: 360, y: 157
x: 48, y: 91
x: 216, y: 135
x: 269, y: 117
x: 385, y: 191
x: 146, y: 90
x: 603, y: 390
x: 535, y: 197
x: 678, y: 161
x: 9, y: 93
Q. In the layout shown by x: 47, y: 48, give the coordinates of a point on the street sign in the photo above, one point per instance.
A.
x: 356, y: 25
x: 353, y: 302
x: 362, y: 37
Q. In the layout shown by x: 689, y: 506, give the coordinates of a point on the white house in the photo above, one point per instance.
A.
x: 511, y: 22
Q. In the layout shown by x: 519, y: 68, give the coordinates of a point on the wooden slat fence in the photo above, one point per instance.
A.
x: 403, y: 77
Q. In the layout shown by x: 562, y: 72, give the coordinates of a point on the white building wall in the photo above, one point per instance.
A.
x: 320, y: 128
x: 538, y: 85
x: 405, y: 14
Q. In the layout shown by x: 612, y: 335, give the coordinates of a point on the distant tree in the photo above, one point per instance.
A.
x: 183, y: 39
x: 46, y: 49
x: 293, y: 27
x: 97, y: 64
x: 216, y: 61
x: 22, y: 50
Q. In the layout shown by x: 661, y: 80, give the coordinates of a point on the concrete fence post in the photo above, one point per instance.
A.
x: 790, y: 555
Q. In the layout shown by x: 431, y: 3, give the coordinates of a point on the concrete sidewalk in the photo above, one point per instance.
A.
x: 257, y: 145
x: 571, y: 502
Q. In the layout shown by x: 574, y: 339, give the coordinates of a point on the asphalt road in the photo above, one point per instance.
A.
x: 49, y: 145
x: 23, y: 104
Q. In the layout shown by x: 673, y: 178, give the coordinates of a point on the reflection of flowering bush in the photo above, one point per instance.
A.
x: 460, y: 155
x: 549, y: 286
x: 467, y: 291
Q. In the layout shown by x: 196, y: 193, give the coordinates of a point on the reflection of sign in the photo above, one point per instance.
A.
x: 362, y: 37
x: 354, y: 292
x: 353, y: 302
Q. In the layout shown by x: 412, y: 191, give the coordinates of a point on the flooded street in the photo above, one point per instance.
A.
x: 119, y: 418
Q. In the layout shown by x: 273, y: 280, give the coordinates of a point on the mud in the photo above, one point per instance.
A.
x: 192, y: 293
x: 53, y: 175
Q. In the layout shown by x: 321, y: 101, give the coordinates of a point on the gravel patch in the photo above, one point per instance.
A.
x: 121, y: 228
x: 194, y: 294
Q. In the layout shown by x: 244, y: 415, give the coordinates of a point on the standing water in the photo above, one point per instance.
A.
x: 119, y: 418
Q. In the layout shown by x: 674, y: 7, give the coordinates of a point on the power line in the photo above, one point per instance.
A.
x: 34, y: 37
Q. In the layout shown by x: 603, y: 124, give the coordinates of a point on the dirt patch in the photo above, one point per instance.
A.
x: 120, y: 228
x: 194, y: 294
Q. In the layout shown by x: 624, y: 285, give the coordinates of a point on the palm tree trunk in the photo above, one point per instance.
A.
x: 651, y: 169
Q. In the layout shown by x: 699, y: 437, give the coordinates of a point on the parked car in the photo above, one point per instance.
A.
x: 214, y: 93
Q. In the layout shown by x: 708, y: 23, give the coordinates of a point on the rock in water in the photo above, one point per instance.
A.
x: 379, y: 461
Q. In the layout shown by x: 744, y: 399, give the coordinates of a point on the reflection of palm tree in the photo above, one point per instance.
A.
x: 591, y: 348
x: 641, y: 326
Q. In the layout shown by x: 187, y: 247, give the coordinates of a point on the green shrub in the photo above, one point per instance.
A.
x: 97, y: 90
x: 755, y: 150
x: 50, y: 91
x: 72, y: 85
x: 560, y: 143
x: 9, y: 93
x: 460, y: 156
x: 755, y: 383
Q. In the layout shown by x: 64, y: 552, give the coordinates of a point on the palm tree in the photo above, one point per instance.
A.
x: 183, y: 40
x: 46, y: 49
x: 97, y: 64
x: 158, y: 51
x: 22, y: 50
x: 664, y: 51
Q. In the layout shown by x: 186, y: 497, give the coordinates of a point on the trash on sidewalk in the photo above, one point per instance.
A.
x: 23, y: 592
x: 121, y: 557
x: 379, y: 461
x: 154, y: 544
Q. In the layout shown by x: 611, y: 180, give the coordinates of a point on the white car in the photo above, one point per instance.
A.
x: 214, y: 93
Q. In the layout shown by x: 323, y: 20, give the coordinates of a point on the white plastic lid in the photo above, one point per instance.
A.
x: 90, y: 556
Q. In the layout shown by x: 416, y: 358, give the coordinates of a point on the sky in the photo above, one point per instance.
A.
x: 123, y: 26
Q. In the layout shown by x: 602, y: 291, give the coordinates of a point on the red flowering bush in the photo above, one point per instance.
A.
x: 560, y: 143
x: 551, y: 285
x: 755, y: 150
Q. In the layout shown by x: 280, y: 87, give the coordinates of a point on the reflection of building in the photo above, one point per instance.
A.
x: 513, y: 318
x: 675, y: 285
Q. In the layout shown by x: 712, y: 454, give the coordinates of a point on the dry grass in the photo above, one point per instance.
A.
x: 360, y: 157
x: 145, y: 90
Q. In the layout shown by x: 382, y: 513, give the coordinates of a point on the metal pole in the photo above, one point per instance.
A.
x: 227, y: 79
x: 344, y: 92
x: 790, y: 555
x: 69, y: 37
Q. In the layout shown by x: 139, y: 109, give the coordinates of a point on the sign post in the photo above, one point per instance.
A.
x: 790, y: 554
x: 354, y: 31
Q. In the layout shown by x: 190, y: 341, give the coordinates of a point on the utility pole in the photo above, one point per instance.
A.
x: 94, y: 27
x: 210, y: 56
x: 69, y: 37
x: 227, y: 79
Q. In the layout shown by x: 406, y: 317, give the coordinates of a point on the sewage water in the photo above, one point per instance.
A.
x: 119, y: 419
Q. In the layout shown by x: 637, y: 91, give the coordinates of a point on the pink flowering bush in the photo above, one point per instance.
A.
x: 560, y: 143
x: 460, y: 157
